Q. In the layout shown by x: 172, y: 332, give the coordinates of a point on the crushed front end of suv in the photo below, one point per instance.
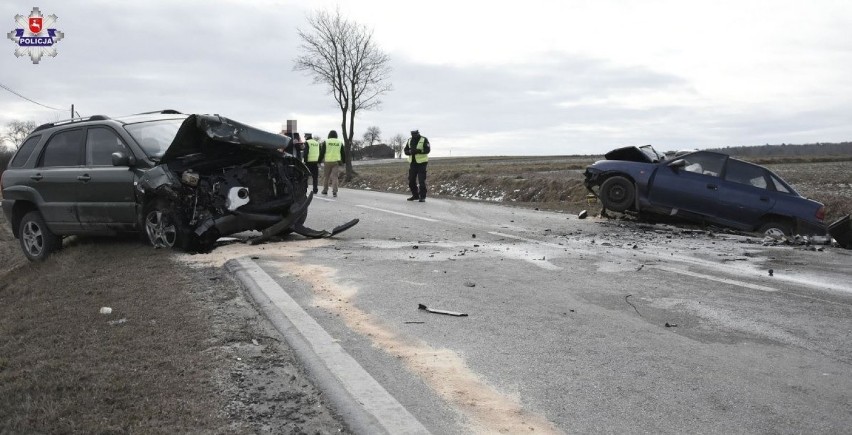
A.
x: 181, y: 180
x: 703, y: 186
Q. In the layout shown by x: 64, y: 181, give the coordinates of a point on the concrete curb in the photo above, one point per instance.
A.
x: 363, y: 403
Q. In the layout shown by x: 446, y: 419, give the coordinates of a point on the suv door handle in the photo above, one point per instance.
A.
x: 712, y: 186
x: 84, y: 177
x: 764, y: 198
x: 37, y: 177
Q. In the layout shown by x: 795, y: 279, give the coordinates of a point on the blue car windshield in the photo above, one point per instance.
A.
x: 652, y: 154
x: 155, y: 136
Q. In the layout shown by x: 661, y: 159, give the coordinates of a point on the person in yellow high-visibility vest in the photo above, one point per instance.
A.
x: 417, y: 149
x: 312, y: 155
x: 332, y: 156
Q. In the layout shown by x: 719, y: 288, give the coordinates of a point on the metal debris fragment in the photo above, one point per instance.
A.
x: 445, y: 312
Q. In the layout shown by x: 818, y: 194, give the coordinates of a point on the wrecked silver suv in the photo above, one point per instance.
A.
x: 181, y: 180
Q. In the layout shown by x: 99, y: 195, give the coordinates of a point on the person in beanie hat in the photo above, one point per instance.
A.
x: 417, y: 149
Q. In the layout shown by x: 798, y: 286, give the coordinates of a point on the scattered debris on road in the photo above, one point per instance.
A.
x: 469, y: 284
x: 671, y: 325
x: 106, y: 310
x: 413, y: 322
x: 583, y: 214
x: 448, y: 313
x: 771, y: 272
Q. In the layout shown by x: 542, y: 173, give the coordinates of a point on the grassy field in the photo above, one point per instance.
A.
x: 556, y: 182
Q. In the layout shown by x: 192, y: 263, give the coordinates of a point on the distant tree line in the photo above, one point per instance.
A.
x: 815, y: 150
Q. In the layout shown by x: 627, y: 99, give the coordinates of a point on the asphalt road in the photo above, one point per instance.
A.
x: 567, y: 319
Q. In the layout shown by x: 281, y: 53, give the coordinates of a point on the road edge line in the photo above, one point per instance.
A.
x: 365, y: 406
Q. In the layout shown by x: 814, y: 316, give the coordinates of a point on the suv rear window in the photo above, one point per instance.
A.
x: 24, y: 152
x: 64, y: 149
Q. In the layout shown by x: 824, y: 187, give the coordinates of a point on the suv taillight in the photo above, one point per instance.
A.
x: 820, y: 215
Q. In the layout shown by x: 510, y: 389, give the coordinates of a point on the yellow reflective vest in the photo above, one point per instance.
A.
x: 419, y: 158
x: 332, y: 150
x: 313, y: 151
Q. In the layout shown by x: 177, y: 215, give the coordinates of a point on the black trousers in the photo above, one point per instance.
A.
x: 417, y: 179
x: 314, y: 168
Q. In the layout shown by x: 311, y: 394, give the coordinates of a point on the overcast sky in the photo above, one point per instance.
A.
x: 535, y: 77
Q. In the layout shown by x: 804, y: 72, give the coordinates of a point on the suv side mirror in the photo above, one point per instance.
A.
x: 121, y: 159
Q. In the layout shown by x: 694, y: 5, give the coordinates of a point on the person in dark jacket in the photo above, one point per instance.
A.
x: 417, y: 149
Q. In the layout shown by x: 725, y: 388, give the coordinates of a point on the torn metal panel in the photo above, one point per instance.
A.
x: 214, y: 136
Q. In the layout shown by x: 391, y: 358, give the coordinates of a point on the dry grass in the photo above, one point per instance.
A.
x: 556, y: 182
x: 181, y: 352
x: 65, y: 368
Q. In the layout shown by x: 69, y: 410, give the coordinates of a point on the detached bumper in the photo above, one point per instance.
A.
x: 841, y: 230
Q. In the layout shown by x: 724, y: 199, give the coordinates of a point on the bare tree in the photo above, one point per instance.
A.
x: 396, y: 144
x: 373, y: 135
x: 17, y: 131
x: 342, y: 55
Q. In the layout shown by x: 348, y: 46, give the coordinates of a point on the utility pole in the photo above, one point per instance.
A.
x: 72, y: 111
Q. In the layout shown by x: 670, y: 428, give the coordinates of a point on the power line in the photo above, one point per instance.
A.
x: 31, y: 101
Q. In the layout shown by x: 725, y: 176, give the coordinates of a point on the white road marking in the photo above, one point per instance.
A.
x: 537, y: 242
x: 325, y: 199
x: 398, y: 213
x: 716, y: 278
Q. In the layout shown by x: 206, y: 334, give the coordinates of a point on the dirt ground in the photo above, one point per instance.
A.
x: 181, y: 351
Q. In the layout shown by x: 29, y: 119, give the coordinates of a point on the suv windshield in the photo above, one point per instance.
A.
x: 155, y: 136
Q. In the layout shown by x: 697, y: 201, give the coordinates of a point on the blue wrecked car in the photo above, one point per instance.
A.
x: 703, y: 186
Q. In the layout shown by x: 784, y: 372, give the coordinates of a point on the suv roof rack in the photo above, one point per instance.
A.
x: 164, y: 112
x: 72, y: 120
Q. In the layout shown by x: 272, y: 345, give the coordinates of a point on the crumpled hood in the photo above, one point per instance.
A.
x: 643, y: 154
x: 215, y: 135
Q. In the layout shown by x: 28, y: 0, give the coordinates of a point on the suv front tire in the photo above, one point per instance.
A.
x: 37, y: 241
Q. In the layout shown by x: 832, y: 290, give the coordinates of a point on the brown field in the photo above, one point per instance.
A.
x: 556, y: 182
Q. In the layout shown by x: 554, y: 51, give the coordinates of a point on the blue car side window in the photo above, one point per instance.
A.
x: 744, y: 173
x: 704, y: 163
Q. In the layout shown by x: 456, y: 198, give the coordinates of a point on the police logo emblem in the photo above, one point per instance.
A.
x: 35, y: 37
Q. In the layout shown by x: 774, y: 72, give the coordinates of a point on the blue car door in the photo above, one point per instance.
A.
x: 689, y: 184
x: 745, y: 195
